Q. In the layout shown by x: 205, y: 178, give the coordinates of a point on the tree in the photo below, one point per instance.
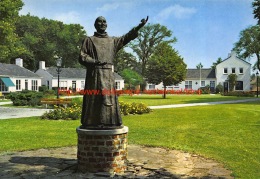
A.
x: 248, y: 44
x: 9, y: 43
x: 43, y: 38
x: 165, y: 66
x: 150, y: 36
x: 256, y: 12
x: 132, y: 78
x: 232, y: 80
x: 214, y: 64
x: 125, y: 60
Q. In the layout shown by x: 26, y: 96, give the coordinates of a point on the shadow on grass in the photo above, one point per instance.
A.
x: 52, y: 167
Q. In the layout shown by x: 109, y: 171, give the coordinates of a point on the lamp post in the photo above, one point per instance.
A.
x: 58, y: 63
x: 257, y: 74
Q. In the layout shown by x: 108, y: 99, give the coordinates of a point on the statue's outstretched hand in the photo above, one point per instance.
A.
x: 144, y: 21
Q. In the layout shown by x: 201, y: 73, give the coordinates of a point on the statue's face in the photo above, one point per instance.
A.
x: 101, y: 24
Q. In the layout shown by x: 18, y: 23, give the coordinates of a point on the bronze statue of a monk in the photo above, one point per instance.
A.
x: 100, y: 109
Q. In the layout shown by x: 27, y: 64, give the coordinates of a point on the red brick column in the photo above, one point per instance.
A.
x: 102, y: 150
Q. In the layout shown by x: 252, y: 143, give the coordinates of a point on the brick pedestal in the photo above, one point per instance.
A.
x: 102, y: 150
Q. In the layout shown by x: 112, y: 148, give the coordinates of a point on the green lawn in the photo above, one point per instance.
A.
x: 155, y: 100
x: 229, y: 133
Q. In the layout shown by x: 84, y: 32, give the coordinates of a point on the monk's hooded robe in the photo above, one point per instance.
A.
x: 101, y: 110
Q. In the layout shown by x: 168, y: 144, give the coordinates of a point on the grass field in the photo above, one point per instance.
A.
x: 228, y: 133
x: 155, y: 100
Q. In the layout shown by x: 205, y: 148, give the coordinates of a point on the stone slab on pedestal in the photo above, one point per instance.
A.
x: 102, y: 150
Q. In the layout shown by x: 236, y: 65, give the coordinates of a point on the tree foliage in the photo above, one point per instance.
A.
x: 256, y: 11
x: 248, y: 44
x: 232, y: 80
x: 44, y: 38
x: 214, y: 64
x: 131, y: 77
x: 150, y: 36
x: 9, y: 42
x: 125, y: 60
x: 199, y: 66
x: 165, y: 66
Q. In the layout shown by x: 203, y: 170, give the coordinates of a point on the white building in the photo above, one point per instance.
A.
x: 70, y: 78
x: 14, y: 77
x: 196, y: 78
x: 234, y: 65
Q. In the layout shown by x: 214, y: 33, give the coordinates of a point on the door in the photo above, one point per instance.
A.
x: 74, y: 87
x: 225, y: 87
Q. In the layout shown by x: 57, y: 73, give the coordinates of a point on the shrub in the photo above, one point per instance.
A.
x: 26, y: 97
x: 205, y: 90
x: 240, y: 93
x: 219, y: 88
x: 43, y: 88
x: 133, y: 108
x: 70, y: 113
x: 74, y: 112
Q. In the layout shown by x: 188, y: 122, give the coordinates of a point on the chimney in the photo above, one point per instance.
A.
x: 113, y: 68
x: 19, y: 62
x: 42, y: 65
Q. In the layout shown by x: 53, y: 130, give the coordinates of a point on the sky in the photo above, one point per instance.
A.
x: 205, y: 29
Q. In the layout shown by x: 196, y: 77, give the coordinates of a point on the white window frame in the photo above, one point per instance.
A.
x: 188, y: 84
x: 18, y: 84
x: 203, y: 83
x: 233, y: 68
x: 34, y: 85
x: 224, y: 71
x: 82, y: 85
x: 241, y: 68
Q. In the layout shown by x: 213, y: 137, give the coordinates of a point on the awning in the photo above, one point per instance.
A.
x: 7, y: 81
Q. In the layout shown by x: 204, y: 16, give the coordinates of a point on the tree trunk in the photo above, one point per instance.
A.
x: 258, y: 65
x: 164, y: 92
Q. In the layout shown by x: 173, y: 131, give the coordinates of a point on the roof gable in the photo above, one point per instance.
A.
x: 233, y: 56
x: 12, y: 70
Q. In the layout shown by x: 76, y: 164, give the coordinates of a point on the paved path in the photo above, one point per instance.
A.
x: 8, y: 113
x: 203, y: 104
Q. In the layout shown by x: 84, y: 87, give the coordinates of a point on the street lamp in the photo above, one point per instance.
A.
x: 257, y: 74
x: 58, y: 63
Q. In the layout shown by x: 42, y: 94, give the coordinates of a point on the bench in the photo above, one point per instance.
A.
x: 63, y: 101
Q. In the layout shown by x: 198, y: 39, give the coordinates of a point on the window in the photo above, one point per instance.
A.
x: 151, y: 87
x: 48, y: 84
x: 233, y: 70
x: 82, y: 85
x: 239, y: 85
x: 34, y: 85
x: 26, y: 84
x: 202, y: 83
x: 117, y: 85
x: 241, y: 70
x: 63, y: 85
x: 212, y: 84
x: 188, y: 84
x: 18, y: 84
x: 2, y: 86
x: 225, y: 71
